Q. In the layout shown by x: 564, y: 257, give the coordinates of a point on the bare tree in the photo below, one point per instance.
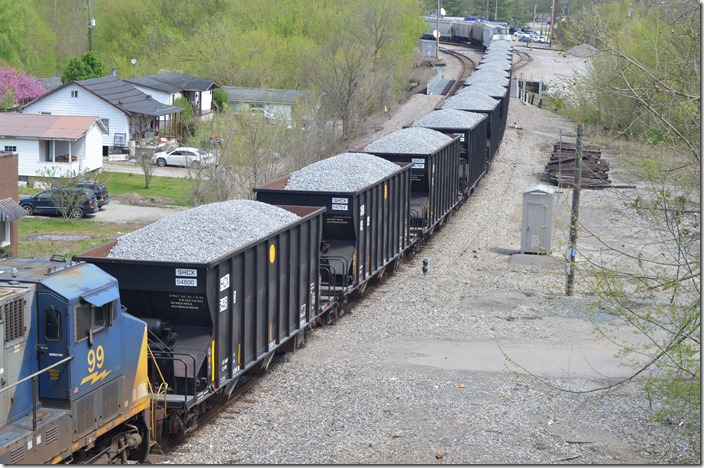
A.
x: 144, y: 160
x: 644, y: 89
x: 342, y: 71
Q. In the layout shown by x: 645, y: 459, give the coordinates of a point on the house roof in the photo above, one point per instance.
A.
x: 120, y: 94
x: 172, y: 82
x: 10, y: 210
x: 125, y: 96
x: 45, y: 126
x: 50, y: 83
x: 265, y: 95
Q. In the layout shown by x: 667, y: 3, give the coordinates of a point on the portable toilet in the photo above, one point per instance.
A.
x: 538, y: 205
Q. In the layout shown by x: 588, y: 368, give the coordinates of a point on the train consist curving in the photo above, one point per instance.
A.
x: 123, y: 347
x: 466, y: 30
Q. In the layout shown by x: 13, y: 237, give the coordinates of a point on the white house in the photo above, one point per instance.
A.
x: 166, y: 87
x: 56, y: 145
x: 126, y: 112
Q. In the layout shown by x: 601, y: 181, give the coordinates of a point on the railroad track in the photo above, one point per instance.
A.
x: 524, y: 58
x: 468, y: 67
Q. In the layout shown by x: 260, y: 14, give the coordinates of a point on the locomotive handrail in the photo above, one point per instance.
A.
x: 37, y: 373
x: 162, y: 386
x: 174, y: 357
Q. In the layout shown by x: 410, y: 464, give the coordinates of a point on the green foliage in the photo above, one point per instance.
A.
x: 221, y: 99
x: 185, y: 119
x: 84, y: 67
x: 14, y: 29
x: 647, y: 79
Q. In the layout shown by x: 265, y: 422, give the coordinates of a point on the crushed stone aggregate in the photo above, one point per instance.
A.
x: 346, y: 172
x: 203, y: 233
x: 412, y: 140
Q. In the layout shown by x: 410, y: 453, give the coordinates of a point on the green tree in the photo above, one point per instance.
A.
x: 14, y: 27
x: 84, y: 67
x: 221, y: 99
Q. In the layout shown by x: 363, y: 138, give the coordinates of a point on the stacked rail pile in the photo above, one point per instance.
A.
x: 561, y: 166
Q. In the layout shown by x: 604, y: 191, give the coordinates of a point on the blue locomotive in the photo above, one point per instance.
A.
x: 73, y: 376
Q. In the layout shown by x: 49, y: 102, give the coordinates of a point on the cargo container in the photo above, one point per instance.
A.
x: 472, y: 129
x: 434, y: 180
x: 211, y: 321
x: 364, y: 230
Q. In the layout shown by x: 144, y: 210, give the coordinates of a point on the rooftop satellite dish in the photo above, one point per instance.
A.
x: 442, y: 12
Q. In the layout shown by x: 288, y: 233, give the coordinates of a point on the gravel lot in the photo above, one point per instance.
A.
x: 442, y: 368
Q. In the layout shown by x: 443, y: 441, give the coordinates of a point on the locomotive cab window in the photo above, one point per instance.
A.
x: 52, y: 324
x: 92, y: 319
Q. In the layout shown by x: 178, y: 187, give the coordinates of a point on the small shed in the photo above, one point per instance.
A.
x: 279, y: 102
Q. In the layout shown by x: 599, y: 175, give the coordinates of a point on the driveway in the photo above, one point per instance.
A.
x: 134, y: 168
x: 122, y: 213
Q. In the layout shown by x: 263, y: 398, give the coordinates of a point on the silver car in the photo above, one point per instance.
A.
x: 183, y: 156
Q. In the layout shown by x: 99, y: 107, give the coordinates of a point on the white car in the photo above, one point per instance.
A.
x: 183, y: 156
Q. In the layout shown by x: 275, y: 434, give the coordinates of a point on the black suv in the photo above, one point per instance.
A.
x: 100, y: 190
x: 76, y: 201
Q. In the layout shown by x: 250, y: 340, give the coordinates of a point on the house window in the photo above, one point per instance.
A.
x: 106, y: 122
x: 4, y: 233
x: 74, y: 93
x: 11, y: 149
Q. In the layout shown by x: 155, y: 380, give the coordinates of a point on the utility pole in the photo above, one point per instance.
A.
x: 532, y: 21
x: 496, y: 10
x: 552, y: 23
x: 437, y: 29
x: 90, y: 29
x: 574, y: 217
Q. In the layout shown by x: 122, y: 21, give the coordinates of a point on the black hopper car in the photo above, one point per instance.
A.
x: 109, y: 354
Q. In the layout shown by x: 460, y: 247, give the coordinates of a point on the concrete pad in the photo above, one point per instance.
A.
x: 539, y: 260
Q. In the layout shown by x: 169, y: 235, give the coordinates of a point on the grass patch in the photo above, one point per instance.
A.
x: 44, y: 237
x: 177, y: 190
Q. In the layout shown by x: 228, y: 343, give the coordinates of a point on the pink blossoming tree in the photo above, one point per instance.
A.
x: 16, y: 88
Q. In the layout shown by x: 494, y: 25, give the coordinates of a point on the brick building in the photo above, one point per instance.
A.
x: 10, y: 211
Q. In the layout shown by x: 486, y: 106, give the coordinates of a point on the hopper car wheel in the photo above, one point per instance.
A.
x: 174, y: 424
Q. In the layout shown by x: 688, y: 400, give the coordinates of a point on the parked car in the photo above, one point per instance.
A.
x: 100, y: 190
x: 79, y: 202
x: 183, y: 156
